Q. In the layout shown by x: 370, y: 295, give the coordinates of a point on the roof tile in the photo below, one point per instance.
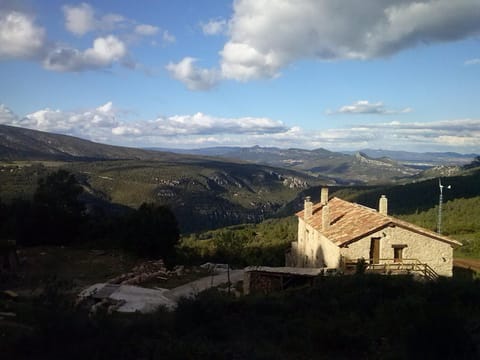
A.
x: 350, y: 222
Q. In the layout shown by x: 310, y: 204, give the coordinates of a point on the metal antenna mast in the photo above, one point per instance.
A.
x: 440, y: 201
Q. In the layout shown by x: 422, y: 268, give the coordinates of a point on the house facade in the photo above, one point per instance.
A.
x: 334, y: 233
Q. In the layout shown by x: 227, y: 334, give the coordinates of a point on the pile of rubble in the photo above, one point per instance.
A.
x: 120, y: 294
x: 146, y: 271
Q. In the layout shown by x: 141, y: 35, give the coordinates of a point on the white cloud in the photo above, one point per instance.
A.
x: 7, y: 116
x: 150, y: 30
x: 94, y: 124
x: 276, y: 34
x: 365, y: 107
x: 80, y: 19
x: 126, y: 131
x: 269, y: 35
x: 89, y: 123
x: 196, y: 130
x: 105, y: 51
x: 472, y: 62
x: 202, y: 124
x: 204, y: 130
x: 214, y: 27
x: 454, y: 135
x: 167, y: 37
x: 20, y: 37
x: 146, y: 30
x: 193, y: 77
x: 102, y: 123
x: 110, y: 22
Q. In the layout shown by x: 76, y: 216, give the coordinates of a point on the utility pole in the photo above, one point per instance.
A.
x: 440, y: 201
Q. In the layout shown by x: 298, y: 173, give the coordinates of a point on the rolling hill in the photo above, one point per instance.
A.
x: 24, y: 144
x: 208, y: 192
x: 403, y: 199
x: 340, y: 168
x: 204, y: 192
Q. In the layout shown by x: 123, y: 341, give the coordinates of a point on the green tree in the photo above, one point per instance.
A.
x: 57, y: 210
x: 151, y: 232
x: 59, y: 192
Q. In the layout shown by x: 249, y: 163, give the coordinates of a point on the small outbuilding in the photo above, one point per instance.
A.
x: 264, y: 279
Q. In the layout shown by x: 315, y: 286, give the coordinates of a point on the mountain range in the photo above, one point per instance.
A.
x: 420, y: 160
x: 24, y: 144
x: 206, y: 188
x: 361, y: 167
x: 204, y: 192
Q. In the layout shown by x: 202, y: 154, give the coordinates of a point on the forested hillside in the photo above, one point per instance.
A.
x: 203, y: 193
x: 416, y: 203
x: 460, y: 220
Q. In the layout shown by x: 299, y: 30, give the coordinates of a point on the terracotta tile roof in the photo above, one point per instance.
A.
x: 350, y: 222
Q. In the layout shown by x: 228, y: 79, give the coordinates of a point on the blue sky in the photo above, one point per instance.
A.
x: 396, y: 74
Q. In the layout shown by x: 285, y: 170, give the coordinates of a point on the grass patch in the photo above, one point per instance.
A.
x: 81, y: 266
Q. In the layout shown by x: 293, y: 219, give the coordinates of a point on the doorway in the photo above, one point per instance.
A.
x: 375, y: 250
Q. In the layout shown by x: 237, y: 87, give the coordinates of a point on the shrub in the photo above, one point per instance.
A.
x: 151, y: 232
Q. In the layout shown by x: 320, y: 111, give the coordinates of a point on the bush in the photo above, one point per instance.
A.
x: 241, y: 245
x: 151, y: 232
x: 56, y: 213
x: 350, y: 317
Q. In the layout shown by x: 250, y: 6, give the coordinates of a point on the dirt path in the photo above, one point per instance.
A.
x: 194, y: 287
x: 473, y: 264
x: 136, y: 298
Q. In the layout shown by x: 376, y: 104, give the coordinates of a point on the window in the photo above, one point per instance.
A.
x: 398, y: 252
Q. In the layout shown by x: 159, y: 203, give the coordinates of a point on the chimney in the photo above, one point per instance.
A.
x: 308, y: 205
x: 383, y: 205
x: 324, y: 196
x: 325, y: 217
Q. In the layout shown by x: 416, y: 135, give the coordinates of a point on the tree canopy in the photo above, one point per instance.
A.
x: 151, y: 231
x: 57, y: 211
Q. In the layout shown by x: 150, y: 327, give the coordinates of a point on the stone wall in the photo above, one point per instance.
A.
x: 437, y: 254
x: 313, y: 249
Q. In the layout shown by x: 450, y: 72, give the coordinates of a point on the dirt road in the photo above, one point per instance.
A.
x: 473, y: 264
x: 194, y: 287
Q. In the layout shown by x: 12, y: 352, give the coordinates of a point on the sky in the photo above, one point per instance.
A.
x: 340, y: 75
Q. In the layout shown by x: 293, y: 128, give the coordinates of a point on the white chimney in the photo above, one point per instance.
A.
x: 308, y: 205
x: 383, y: 205
x: 325, y: 217
x: 324, y: 196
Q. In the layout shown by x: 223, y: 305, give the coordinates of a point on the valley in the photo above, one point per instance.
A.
x: 217, y: 187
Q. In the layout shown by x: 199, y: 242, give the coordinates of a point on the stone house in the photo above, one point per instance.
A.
x: 336, y: 233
